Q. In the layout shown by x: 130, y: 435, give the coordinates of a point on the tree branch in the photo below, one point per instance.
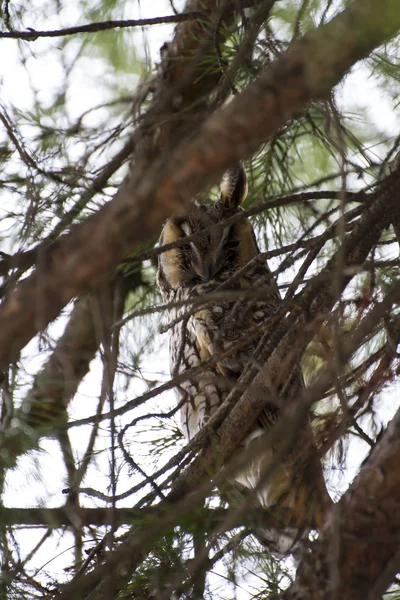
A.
x: 365, y: 530
x: 32, y: 34
x: 309, y: 70
x: 44, y: 408
x: 78, y: 516
x: 25, y: 260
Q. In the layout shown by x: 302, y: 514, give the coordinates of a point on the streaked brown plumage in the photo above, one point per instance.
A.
x: 197, y: 268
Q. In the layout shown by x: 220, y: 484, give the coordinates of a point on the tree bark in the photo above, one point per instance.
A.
x: 357, y: 556
x: 309, y: 70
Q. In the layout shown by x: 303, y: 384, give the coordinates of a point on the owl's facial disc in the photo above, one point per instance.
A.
x: 207, y: 252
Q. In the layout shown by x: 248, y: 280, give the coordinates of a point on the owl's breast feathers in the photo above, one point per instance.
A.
x: 230, y: 330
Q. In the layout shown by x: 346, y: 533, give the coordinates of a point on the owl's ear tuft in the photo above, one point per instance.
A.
x: 234, y: 187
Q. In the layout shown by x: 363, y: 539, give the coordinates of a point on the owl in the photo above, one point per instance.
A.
x: 217, y: 256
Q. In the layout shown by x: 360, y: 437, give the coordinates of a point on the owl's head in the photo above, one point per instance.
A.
x: 217, y: 250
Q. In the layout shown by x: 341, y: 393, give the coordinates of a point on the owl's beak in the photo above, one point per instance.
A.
x: 207, y: 271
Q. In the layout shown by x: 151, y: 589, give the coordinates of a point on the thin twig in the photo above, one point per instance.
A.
x: 32, y: 35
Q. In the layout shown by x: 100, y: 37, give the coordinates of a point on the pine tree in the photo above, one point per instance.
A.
x: 102, y: 497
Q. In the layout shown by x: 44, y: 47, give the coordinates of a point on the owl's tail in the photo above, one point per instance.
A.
x: 283, y: 503
x: 266, y: 525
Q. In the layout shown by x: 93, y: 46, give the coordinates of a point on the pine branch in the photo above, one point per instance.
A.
x: 53, y: 389
x: 310, y: 68
x: 32, y: 34
x: 78, y: 516
x: 44, y: 408
x: 357, y: 557
x: 24, y: 260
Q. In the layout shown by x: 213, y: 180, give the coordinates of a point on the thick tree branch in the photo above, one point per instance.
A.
x: 121, y: 563
x: 44, y: 408
x: 365, y: 530
x: 141, y: 540
x: 78, y: 516
x: 312, y: 66
x: 56, y: 384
